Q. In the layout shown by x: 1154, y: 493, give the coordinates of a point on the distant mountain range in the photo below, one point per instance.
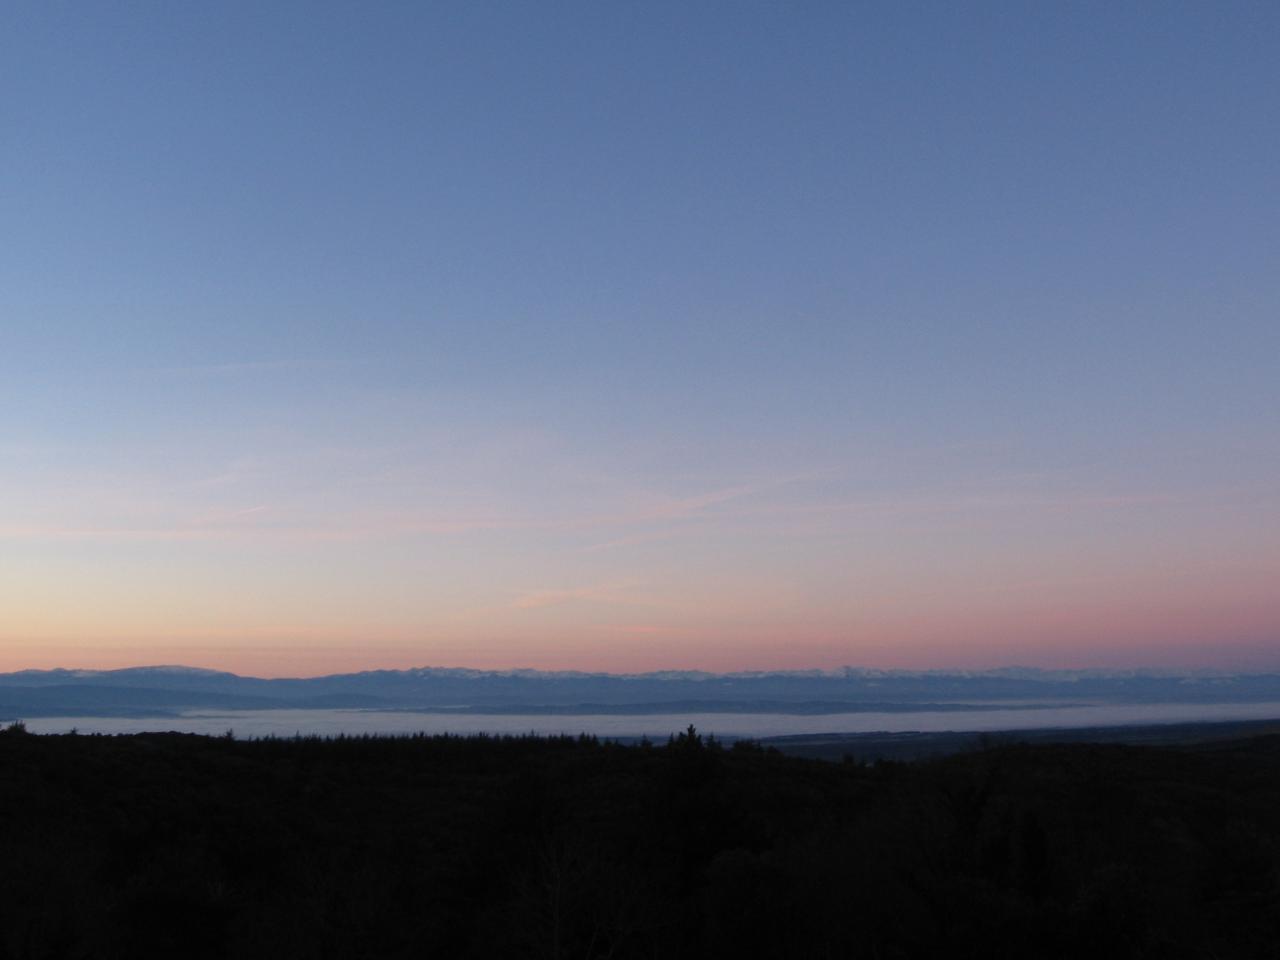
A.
x: 169, y: 691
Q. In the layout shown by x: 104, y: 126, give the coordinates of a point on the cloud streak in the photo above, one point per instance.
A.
x: 615, y: 594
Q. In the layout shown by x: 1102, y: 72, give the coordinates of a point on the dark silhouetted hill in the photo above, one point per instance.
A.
x: 186, y: 846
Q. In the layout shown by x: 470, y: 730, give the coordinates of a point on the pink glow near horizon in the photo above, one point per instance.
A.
x: 1156, y: 624
x: 960, y: 588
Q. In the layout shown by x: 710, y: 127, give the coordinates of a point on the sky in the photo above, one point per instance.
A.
x: 632, y: 336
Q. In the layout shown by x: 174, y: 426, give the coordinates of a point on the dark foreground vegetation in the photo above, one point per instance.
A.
x: 185, y: 846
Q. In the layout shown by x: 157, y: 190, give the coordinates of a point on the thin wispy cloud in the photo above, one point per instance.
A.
x: 616, y: 594
x: 633, y: 540
x: 237, y: 367
x: 224, y: 517
x: 669, y: 521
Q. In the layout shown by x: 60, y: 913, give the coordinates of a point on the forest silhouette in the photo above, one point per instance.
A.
x: 187, y: 846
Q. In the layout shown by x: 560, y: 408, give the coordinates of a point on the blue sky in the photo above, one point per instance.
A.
x: 730, y: 334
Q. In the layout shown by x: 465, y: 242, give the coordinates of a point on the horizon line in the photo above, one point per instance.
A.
x: 848, y: 670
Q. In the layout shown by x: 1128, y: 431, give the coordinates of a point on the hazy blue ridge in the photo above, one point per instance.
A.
x: 148, y: 690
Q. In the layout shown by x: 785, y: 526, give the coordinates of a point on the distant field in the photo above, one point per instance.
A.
x: 868, y: 747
